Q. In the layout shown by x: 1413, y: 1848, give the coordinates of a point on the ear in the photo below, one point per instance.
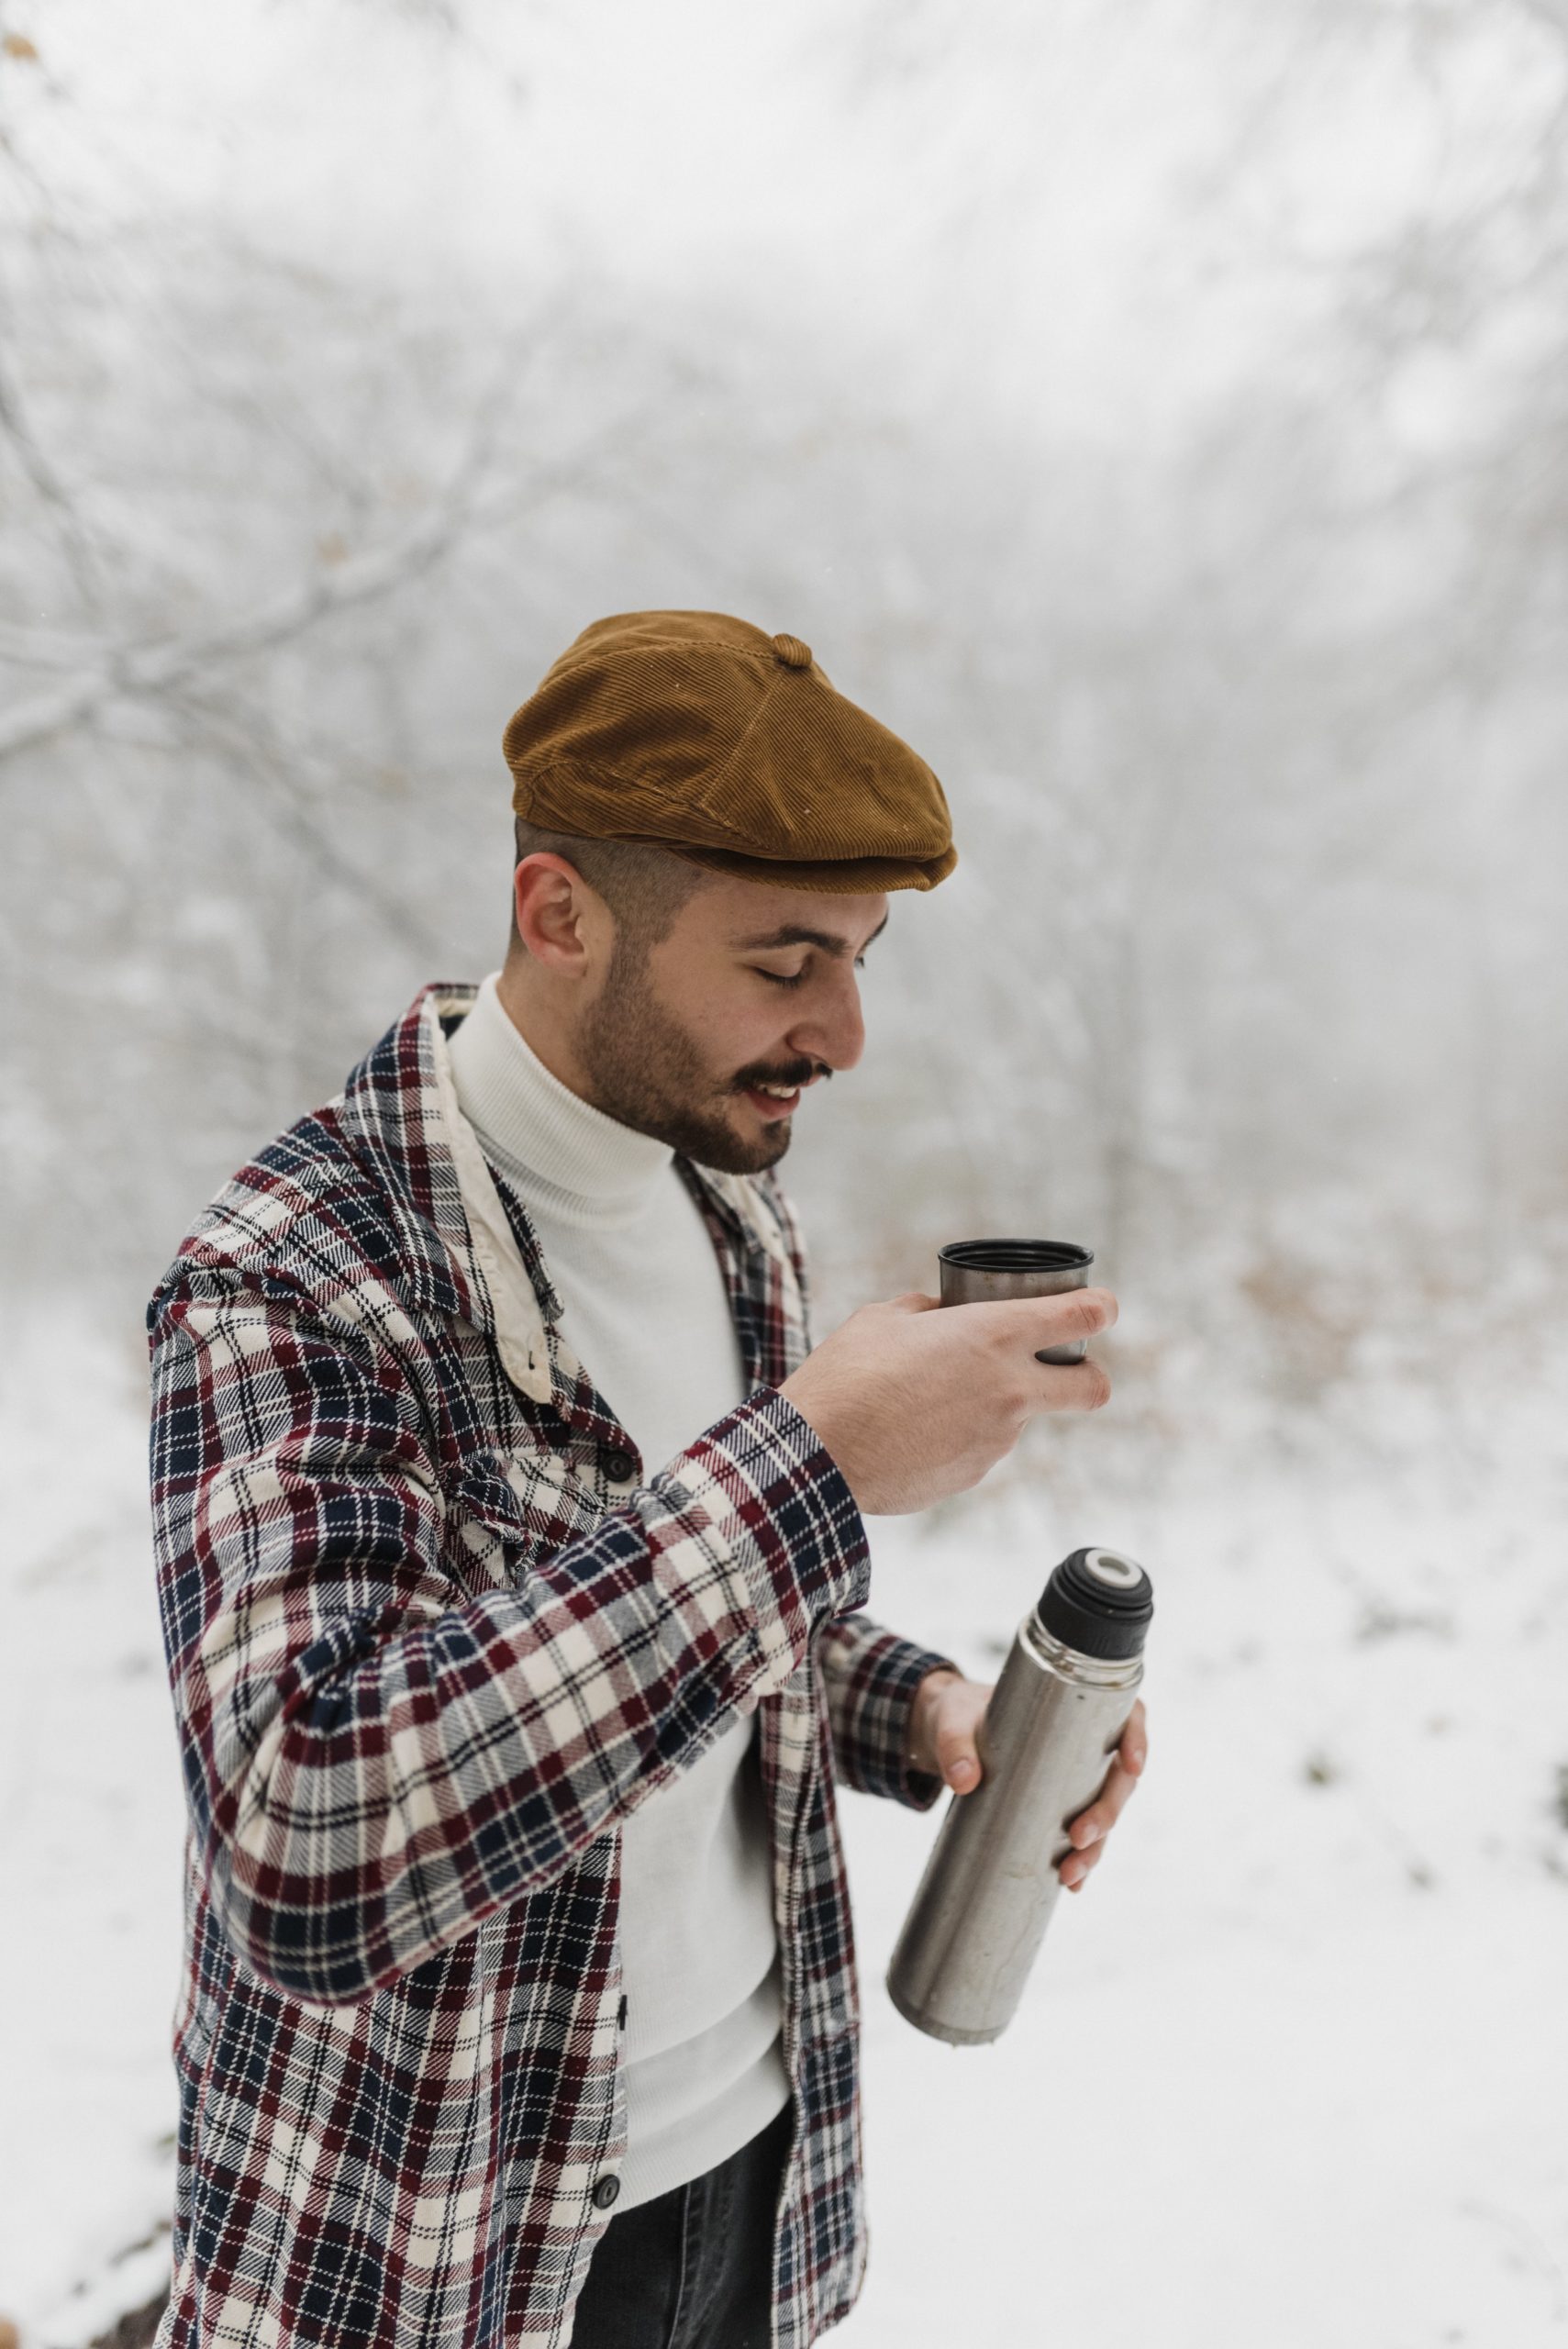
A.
x: 560, y: 921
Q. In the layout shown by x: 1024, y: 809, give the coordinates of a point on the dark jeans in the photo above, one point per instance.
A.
x: 694, y: 2268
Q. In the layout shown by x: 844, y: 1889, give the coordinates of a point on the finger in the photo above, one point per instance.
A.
x: 958, y: 1755
x: 1106, y: 1809
x: 1133, y: 1750
x: 1056, y: 1320
x: 1076, y: 1868
x: 1071, y: 1387
x: 913, y: 1300
x: 1091, y: 1825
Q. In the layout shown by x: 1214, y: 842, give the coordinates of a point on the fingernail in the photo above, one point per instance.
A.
x: 1091, y: 1834
x: 960, y: 1774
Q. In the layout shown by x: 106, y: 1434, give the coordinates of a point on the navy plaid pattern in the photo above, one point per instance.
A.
x: 428, y: 1643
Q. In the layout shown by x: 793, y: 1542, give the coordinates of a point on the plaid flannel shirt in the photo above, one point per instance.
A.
x: 432, y: 1634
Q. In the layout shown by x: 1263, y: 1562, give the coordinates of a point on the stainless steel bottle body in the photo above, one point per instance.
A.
x: 980, y: 1272
x: 983, y: 1903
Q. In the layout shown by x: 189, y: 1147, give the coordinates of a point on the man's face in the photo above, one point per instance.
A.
x: 753, y: 987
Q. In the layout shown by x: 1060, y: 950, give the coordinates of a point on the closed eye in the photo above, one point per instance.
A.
x: 796, y: 978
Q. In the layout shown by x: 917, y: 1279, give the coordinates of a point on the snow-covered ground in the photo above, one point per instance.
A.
x: 1292, y: 2071
x: 1291, y: 2074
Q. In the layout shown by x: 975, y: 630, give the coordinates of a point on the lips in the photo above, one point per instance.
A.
x: 773, y: 1105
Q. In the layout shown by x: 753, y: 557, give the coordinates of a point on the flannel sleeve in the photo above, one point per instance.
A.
x: 375, y: 1762
x: 870, y: 1678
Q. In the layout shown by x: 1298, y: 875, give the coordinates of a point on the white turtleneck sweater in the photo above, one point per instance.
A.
x: 647, y: 1314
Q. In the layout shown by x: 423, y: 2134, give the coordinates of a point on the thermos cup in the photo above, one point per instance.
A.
x: 1063, y: 1700
x: 978, y: 1272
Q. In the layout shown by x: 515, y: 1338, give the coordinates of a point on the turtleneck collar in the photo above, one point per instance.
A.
x: 589, y: 1168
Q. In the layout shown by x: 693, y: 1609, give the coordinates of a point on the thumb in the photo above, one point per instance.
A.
x: 913, y: 1302
x: 957, y: 1757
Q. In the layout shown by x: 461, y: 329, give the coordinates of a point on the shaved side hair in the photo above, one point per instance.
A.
x: 644, y: 887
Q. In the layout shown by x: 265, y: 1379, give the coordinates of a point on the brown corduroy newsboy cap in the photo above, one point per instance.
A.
x: 694, y: 733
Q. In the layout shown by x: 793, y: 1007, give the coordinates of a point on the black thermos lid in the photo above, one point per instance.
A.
x: 1100, y: 1602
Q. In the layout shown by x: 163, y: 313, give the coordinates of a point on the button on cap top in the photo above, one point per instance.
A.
x: 792, y: 653
x: 605, y: 2191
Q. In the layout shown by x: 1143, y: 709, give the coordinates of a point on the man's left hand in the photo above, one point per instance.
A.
x: 944, y: 1726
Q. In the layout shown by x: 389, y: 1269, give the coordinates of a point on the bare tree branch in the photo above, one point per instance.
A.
x: 296, y: 780
x: 138, y: 671
x: 76, y: 544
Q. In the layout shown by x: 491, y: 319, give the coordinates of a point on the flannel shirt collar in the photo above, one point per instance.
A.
x: 461, y: 1254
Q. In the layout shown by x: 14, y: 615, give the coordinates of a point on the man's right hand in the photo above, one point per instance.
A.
x: 915, y: 1401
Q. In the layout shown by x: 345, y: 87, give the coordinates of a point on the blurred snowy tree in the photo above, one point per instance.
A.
x: 1165, y: 432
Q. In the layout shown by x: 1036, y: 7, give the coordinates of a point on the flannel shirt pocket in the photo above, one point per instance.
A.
x: 508, y: 1507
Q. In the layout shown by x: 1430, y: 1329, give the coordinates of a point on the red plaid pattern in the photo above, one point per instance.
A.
x: 428, y: 1643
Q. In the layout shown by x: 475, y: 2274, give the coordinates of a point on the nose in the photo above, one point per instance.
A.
x: 834, y: 1029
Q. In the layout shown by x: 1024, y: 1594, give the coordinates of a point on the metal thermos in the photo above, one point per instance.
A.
x: 1063, y: 1700
x: 978, y: 1272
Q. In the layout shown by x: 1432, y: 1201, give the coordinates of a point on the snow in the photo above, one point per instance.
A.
x: 1289, y: 2071
x: 90, y: 1829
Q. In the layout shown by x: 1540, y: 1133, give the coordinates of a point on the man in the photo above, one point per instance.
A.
x: 511, y: 1554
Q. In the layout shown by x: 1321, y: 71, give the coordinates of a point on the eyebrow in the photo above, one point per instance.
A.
x: 794, y: 933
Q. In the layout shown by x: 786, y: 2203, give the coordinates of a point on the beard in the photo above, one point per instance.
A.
x: 646, y: 1072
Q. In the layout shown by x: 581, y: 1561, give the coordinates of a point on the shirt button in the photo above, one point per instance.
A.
x: 605, y: 2192
x: 620, y: 1465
